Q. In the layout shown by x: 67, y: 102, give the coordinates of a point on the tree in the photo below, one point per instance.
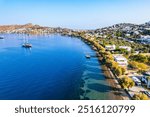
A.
x: 137, y: 65
x: 121, y: 51
x: 127, y: 83
x: 123, y: 70
x: 119, y: 34
x: 140, y: 96
x: 118, y: 71
x: 108, y: 63
x: 139, y: 58
x: 114, y: 65
x: 110, y: 57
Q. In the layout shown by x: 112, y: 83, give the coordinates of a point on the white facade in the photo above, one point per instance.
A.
x: 110, y: 47
x: 128, y: 35
x: 122, y: 61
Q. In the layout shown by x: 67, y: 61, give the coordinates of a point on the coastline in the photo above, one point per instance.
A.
x: 116, y: 93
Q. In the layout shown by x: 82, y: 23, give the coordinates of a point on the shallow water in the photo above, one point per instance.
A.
x: 55, y: 68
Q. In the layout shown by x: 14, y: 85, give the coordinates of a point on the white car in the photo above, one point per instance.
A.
x: 136, y: 80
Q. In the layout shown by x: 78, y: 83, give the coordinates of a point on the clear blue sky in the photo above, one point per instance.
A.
x: 82, y: 14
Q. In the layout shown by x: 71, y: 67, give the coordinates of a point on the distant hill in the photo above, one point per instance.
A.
x: 126, y: 28
x: 14, y: 27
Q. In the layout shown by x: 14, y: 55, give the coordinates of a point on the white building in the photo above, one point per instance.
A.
x: 125, y: 47
x: 128, y: 35
x: 145, y: 37
x: 110, y: 47
x: 136, y: 32
x: 122, y: 61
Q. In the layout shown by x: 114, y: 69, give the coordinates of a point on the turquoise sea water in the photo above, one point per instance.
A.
x: 54, y: 68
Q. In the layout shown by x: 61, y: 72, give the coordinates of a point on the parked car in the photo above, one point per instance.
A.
x: 147, y: 93
x: 144, y: 80
x: 136, y: 81
x: 147, y: 73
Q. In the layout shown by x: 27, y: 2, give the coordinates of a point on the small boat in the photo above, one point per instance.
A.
x: 94, y: 48
x: 89, y: 43
x: 1, y: 37
x: 27, y: 45
x: 88, y: 56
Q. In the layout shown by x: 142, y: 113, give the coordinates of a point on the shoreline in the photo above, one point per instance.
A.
x: 116, y: 93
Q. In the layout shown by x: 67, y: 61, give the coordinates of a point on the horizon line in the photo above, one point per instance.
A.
x: 71, y: 28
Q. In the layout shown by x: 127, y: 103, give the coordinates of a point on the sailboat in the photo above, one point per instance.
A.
x: 26, y: 44
x: 1, y: 37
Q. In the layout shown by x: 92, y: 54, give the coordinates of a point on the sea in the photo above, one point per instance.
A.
x: 55, y: 68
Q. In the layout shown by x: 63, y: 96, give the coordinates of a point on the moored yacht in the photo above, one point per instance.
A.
x: 27, y: 45
x: 1, y: 37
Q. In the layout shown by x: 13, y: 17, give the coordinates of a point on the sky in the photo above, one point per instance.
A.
x: 75, y: 14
